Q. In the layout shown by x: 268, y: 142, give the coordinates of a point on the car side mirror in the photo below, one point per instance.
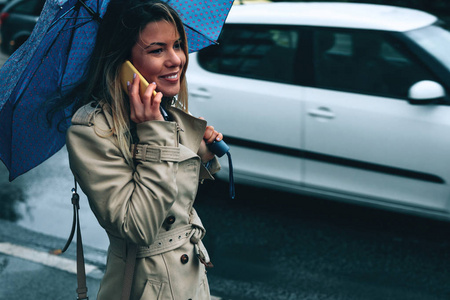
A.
x: 426, y: 92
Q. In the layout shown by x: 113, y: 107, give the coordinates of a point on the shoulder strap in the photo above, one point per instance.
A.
x: 81, y: 272
x: 131, y: 253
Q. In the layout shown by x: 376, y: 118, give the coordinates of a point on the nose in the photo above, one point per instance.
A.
x: 174, y: 58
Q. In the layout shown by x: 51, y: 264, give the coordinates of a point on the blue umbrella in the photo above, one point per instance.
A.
x: 57, y: 62
x: 55, y: 58
x: 203, y: 20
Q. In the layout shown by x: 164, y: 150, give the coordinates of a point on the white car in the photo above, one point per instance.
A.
x: 341, y: 100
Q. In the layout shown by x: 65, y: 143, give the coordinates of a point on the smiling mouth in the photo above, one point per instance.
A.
x: 173, y: 76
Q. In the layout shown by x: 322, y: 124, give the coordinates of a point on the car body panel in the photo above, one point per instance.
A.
x: 261, y: 106
x: 371, y: 147
x: 341, y: 125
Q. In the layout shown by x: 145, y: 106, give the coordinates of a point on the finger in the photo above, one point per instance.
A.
x: 133, y: 88
x: 213, y: 137
x: 150, y: 90
x: 219, y: 137
x: 155, y: 112
x: 136, y: 106
x: 132, y: 113
x: 147, y: 100
x: 208, y: 135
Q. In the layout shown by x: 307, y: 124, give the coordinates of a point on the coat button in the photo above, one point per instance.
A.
x: 184, y: 259
x: 170, y: 220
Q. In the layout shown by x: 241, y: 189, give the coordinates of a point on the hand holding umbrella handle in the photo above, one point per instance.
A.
x: 219, y: 148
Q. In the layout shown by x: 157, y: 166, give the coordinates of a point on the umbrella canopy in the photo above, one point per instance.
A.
x: 55, y: 58
x: 203, y: 20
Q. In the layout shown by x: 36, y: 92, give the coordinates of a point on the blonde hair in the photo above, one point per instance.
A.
x: 119, y: 31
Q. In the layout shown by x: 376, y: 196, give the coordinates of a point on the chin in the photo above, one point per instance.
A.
x: 169, y: 95
x: 170, y: 92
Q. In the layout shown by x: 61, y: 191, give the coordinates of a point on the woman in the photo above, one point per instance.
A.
x: 140, y: 172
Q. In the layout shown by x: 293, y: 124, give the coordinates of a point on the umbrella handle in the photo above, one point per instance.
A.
x: 220, y: 148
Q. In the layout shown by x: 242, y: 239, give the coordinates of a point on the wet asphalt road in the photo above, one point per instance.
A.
x: 266, y: 244
x: 272, y: 245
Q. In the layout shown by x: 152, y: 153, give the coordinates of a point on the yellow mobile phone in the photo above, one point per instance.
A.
x: 126, y: 74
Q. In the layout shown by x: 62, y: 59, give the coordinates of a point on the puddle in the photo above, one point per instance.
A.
x: 40, y: 200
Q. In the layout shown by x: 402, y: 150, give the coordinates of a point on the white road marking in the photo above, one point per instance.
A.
x: 44, y: 258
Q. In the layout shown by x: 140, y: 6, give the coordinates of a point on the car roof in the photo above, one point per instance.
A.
x: 345, y: 15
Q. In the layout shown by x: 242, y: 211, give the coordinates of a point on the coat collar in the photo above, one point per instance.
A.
x: 192, y: 129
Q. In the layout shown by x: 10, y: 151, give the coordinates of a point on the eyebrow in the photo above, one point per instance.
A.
x: 156, y: 43
x: 160, y: 44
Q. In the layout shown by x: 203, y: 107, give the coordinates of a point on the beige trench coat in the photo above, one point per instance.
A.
x: 150, y: 206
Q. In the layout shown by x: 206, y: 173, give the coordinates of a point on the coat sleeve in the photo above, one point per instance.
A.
x: 128, y: 203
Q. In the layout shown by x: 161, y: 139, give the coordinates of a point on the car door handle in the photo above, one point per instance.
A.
x: 200, y: 93
x: 321, y: 112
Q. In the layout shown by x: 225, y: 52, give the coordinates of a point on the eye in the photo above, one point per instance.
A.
x: 156, y: 51
x: 178, y: 45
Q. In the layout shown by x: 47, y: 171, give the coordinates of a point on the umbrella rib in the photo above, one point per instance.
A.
x: 75, y: 26
x: 61, y: 17
x: 80, y: 18
x: 95, y: 15
x: 207, y: 37
x: 59, y: 87
x: 20, y: 95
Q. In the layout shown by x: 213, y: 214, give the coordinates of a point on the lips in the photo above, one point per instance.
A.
x: 173, y: 76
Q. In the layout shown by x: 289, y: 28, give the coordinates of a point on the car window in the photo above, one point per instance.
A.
x: 365, y: 62
x: 435, y: 40
x: 253, y: 52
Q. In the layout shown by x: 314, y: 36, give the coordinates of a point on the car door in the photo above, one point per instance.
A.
x: 243, y: 87
x: 363, y: 139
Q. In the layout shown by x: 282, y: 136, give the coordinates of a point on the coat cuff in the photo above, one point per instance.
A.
x: 214, y: 167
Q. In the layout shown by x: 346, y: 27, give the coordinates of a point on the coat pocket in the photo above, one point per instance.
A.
x: 153, y: 290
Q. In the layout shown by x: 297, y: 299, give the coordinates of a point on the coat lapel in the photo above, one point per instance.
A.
x: 192, y: 128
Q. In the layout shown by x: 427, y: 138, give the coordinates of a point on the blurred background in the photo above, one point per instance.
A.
x: 268, y: 243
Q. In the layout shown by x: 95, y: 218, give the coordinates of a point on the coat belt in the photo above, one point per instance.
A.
x: 164, y: 242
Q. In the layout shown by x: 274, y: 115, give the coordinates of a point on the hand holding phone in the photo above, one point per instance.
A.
x: 127, y: 75
x: 139, y: 109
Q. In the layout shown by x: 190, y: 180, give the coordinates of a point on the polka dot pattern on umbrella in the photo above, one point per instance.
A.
x: 52, y: 71
x: 55, y: 58
x: 203, y: 20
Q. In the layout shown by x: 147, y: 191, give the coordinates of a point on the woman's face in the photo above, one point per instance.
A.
x: 159, y: 56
